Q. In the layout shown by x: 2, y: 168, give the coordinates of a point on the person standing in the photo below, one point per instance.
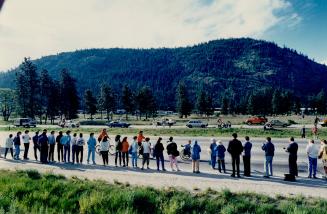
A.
x: 220, y: 150
x: 52, y: 143
x: 91, y: 143
x: 118, y: 147
x: 43, y: 140
x: 60, y: 147
x: 146, y: 152
x: 80, y: 148
x: 26, y: 140
x: 65, y: 141
x: 17, y: 145
x: 247, y: 156
x: 303, y: 132
x: 124, y: 151
x: 134, y: 148
x: 213, y: 155
x: 196, y: 150
x: 36, y: 146
x: 292, y: 158
x: 103, y: 134
x: 158, y: 151
x: 235, y: 148
x: 74, y: 148
x: 140, y: 138
x: 173, y: 153
x: 104, y: 150
x: 312, y: 152
x: 323, y: 156
x: 9, y: 146
x: 269, y: 149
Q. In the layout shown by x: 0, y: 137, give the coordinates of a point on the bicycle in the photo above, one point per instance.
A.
x: 112, y: 150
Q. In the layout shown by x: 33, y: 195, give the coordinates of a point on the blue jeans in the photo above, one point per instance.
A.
x: 213, y: 160
x: 268, y: 166
x: 312, y: 166
x: 17, y: 151
x: 134, y: 159
x: 66, y: 153
x: 91, y: 151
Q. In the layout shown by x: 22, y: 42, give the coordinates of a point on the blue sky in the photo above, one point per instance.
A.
x: 37, y: 28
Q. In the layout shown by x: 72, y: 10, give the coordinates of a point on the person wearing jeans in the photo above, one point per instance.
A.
x: 135, y: 148
x: 74, y: 148
x: 80, y: 151
x: 91, y: 143
x: 17, y: 145
x: 269, y: 149
x: 65, y: 141
x: 312, y: 152
x: 220, y: 150
x: 196, y: 150
x: 213, y: 147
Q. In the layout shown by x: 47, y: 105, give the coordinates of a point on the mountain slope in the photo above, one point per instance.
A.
x: 230, y: 66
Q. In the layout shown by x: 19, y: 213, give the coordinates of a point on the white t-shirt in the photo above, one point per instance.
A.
x: 146, y: 147
x: 9, y: 143
x: 26, y: 138
x: 312, y: 150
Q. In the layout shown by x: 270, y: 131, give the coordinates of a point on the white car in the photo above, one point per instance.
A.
x: 196, y: 124
x: 69, y: 124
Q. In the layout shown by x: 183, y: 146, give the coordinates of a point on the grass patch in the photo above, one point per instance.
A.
x: 32, y: 192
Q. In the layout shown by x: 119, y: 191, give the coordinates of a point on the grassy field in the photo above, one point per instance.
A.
x: 194, y: 132
x: 31, y: 192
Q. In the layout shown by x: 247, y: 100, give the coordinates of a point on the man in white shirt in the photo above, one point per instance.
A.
x: 313, y: 152
x: 26, y: 140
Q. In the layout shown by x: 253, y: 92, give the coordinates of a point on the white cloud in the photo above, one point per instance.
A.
x: 41, y: 27
x: 324, y: 62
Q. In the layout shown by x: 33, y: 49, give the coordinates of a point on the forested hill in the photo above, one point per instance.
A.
x: 231, y: 67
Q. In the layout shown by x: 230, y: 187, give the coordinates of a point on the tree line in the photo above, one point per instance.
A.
x: 39, y: 95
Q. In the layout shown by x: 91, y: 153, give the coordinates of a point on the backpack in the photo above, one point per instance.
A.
x: 130, y: 149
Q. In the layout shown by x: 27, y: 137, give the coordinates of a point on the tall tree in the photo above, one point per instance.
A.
x: 27, y: 88
x: 53, y: 101
x: 201, y: 102
x: 7, y: 102
x: 183, y: 105
x: 321, y: 102
x: 107, y: 100
x: 45, y: 87
x: 90, y: 103
x: 128, y: 100
x: 69, y: 96
x: 224, y: 105
x: 146, y: 102
x: 277, y: 102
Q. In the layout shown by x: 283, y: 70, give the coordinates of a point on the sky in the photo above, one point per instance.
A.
x: 36, y: 28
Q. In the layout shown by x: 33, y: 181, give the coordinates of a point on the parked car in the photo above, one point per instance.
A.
x: 165, y: 122
x: 118, y: 124
x: 196, y: 124
x: 25, y: 122
x: 256, y: 120
x: 69, y: 124
x: 276, y: 123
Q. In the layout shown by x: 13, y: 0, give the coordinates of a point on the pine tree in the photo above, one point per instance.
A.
x: 45, y: 87
x: 90, y: 103
x: 69, y: 96
x: 27, y: 88
x: 7, y: 102
x: 201, y: 102
x: 146, y: 102
x: 276, y: 102
x: 53, y: 100
x: 224, y: 105
x: 128, y: 100
x: 183, y: 106
x: 321, y: 102
x: 107, y: 100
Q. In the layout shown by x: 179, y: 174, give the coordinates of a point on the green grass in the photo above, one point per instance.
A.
x: 194, y: 132
x: 31, y: 192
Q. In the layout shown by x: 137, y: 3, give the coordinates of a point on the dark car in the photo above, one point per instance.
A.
x: 118, y: 124
x: 276, y: 123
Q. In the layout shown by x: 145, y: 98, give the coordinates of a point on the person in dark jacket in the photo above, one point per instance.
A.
x: 269, y: 149
x: 158, y: 151
x: 213, y: 147
x: 235, y: 148
x: 247, y: 156
x: 36, y: 147
x: 60, y: 147
x: 221, y: 156
x: 173, y: 153
x: 17, y: 145
x: 43, y: 140
x: 292, y: 158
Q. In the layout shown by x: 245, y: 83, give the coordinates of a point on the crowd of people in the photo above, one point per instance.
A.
x: 70, y: 149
